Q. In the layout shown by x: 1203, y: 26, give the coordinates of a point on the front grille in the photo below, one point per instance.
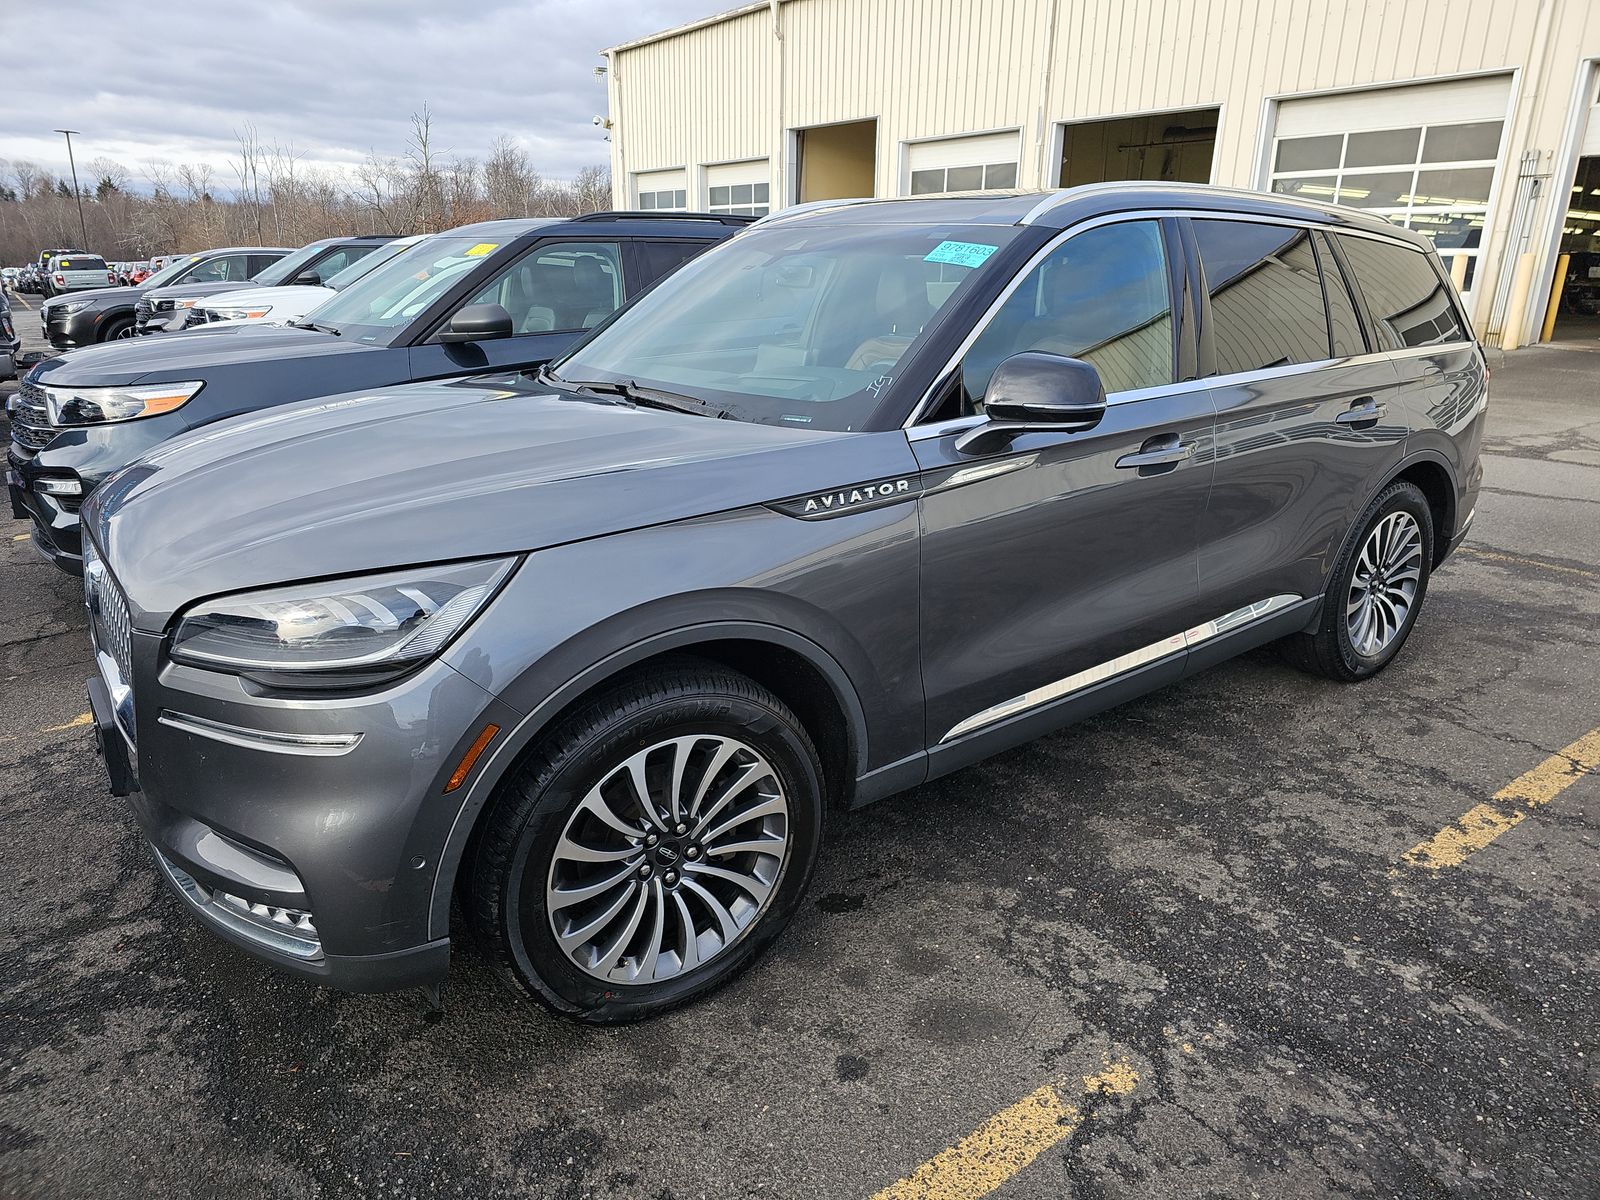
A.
x: 197, y: 316
x: 142, y: 309
x: 110, y: 623
x: 30, y: 419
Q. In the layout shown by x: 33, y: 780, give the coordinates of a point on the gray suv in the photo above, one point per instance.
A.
x: 867, y: 493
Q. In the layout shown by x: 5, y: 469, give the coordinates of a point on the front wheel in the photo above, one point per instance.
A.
x: 118, y: 330
x: 652, y: 846
x: 1375, y: 592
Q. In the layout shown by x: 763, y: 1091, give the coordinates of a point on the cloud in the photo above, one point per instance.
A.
x: 334, y: 79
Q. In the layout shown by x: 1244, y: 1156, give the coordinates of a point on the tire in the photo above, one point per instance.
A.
x: 523, y: 882
x: 1345, y: 646
x: 117, y: 330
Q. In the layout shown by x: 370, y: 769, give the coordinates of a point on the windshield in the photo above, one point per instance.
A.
x: 803, y: 324
x: 288, y: 266
x: 366, y: 264
x: 376, y: 308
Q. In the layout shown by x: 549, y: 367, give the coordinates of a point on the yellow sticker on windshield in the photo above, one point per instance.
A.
x: 481, y: 249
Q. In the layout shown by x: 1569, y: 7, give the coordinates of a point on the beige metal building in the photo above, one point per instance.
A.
x: 1477, y: 121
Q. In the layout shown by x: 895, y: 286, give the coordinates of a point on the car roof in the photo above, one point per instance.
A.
x: 1067, y: 206
x: 215, y: 250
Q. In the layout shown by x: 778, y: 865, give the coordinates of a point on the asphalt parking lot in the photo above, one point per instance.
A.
x: 1255, y: 935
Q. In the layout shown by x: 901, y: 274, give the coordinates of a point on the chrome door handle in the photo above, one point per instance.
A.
x: 1362, y: 412
x: 1164, y: 456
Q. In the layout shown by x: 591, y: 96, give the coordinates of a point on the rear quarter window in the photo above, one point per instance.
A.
x: 1406, y: 297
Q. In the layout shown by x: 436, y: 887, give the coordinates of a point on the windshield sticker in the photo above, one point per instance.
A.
x: 481, y: 249
x: 960, y: 254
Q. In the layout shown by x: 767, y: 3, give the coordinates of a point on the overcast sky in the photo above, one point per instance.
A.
x: 173, y: 79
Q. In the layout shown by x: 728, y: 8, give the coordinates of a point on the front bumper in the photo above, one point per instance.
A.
x: 56, y: 530
x: 169, y: 321
x: 307, y: 832
x: 65, y: 331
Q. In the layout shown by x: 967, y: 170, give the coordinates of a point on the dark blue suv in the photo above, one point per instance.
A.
x: 495, y: 296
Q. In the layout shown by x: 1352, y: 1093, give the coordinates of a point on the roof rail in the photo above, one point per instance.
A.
x: 642, y: 214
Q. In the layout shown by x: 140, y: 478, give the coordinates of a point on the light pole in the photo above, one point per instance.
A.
x: 77, y: 192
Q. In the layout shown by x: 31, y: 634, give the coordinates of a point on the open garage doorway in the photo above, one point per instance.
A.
x: 1173, y: 147
x: 836, y: 162
x: 1578, y: 264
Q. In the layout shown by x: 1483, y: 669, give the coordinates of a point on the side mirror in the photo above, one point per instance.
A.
x: 477, y: 323
x: 308, y: 278
x: 1034, y: 392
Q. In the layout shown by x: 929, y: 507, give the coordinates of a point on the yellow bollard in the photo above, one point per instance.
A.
x: 1553, y: 309
x: 1521, y: 284
x: 1458, y: 271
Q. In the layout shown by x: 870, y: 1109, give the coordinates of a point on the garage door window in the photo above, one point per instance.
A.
x: 1435, y: 179
x: 668, y: 200
x: 982, y: 178
x: 741, y: 199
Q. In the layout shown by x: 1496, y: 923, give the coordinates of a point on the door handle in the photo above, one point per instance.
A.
x: 1365, y: 411
x: 1157, y: 452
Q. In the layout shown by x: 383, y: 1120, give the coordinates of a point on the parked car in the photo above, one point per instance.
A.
x: 109, y: 314
x: 44, y: 266
x: 287, y: 303
x: 28, y: 279
x: 8, y: 276
x: 78, y: 273
x: 495, y: 296
x: 10, y: 343
x: 163, y: 309
x: 138, y: 272
x: 866, y: 494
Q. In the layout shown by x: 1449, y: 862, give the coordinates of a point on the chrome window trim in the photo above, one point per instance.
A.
x: 955, y: 424
x: 1122, y: 664
x: 315, y: 744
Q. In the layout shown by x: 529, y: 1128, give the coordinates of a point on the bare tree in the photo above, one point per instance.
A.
x: 510, y: 183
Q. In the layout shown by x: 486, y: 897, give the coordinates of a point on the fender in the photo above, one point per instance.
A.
x: 506, y: 754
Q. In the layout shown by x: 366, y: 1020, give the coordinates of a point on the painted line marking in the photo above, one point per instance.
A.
x: 1006, y: 1143
x: 77, y: 722
x: 1509, y: 807
x: 1496, y: 556
x: 21, y: 537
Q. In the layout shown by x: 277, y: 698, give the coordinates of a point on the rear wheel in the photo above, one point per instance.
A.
x: 1375, y: 592
x: 654, y: 844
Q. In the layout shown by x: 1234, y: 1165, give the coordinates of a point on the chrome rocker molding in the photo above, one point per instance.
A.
x: 316, y: 744
x: 1123, y: 663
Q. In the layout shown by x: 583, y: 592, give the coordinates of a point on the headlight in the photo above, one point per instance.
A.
x: 239, y: 314
x: 97, y: 405
x: 338, y: 632
x: 69, y: 309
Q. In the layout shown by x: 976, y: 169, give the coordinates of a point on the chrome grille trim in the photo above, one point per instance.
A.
x: 111, y: 634
x: 30, y: 418
x: 289, y: 931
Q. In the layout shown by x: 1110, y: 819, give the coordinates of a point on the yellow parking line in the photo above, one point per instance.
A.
x: 1006, y: 1143
x: 77, y: 722
x: 22, y: 537
x: 1509, y: 807
x: 1496, y: 556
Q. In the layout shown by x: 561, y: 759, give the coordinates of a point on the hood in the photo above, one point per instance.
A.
x: 295, y: 298
x: 183, y: 291
x: 434, y: 472
x: 170, y: 358
x: 128, y: 294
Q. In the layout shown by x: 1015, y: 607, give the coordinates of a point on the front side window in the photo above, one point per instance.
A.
x: 1406, y: 298
x: 803, y: 325
x: 1102, y: 296
x: 225, y: 268
x: 376, y: 307
x: 270, y: 272
x: 560, y: 286
x: 1266, y: 295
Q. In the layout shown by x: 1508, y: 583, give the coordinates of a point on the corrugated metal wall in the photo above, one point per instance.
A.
x: 928, y: 68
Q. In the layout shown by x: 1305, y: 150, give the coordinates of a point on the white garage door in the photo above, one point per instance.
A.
x: 741, y: 189
x: 963, y: 164
x: 662, y: 190
x: 1424, y: 155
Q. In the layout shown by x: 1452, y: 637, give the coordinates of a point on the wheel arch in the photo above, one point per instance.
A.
x: 1434, y: 477
x: 800, y: 672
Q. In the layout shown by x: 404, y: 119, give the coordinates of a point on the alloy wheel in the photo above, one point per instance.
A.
x: 668, y: 859
x: 1383, y: 589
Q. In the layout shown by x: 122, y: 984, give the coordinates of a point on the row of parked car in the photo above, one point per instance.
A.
x: 58, y: 271
x: 575, y: 568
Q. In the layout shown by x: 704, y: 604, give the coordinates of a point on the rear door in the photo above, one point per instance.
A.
x: 1066, y: 562
x: 555, y: 292
x: 1309, y: 418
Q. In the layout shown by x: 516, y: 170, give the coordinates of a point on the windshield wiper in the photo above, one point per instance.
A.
x: 318, y: 328
x: 646, y: 397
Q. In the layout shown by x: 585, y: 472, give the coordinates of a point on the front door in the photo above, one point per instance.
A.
x: 555, y: 293
x: 1069, y: 560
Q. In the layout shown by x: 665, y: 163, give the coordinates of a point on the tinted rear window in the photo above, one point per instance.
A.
x: 1406, y: 298
x: 1266, y: 295
x: 80, y: 262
